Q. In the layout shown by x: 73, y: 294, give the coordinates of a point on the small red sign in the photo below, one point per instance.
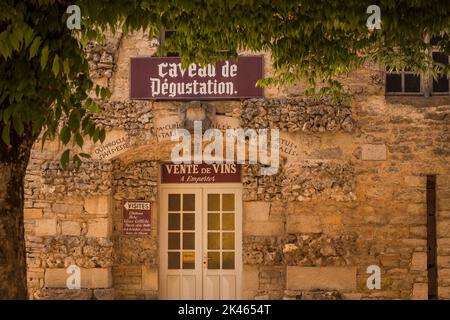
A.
x: 201, y: 173
x: 137, y: 218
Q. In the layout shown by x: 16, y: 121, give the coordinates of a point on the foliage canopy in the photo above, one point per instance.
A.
x: 45, y: 75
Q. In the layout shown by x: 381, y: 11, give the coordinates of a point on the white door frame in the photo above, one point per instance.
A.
x: 164, y: 189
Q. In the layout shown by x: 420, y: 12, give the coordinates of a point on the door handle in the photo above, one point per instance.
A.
x: 206, y: 259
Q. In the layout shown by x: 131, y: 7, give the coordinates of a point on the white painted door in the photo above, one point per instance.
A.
x: 200, y: 242
x: 181, y: 240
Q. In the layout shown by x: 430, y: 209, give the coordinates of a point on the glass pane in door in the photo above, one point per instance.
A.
x: 181, y: 235
x: 220, y: 233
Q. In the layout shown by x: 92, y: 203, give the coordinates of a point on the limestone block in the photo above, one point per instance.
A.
x: 32, y: 213
x: 151, y: 295
x: 443, y: 261
x: 52, y: 145
x: 149, y: 278
x: 56, y: 278
x: 92, y: 278
x: 366, y: 210
x: 443, y: 242
x: 443, y: 228
x: 70, y: 228
x: 309, y: 278
x: 97, y: 277
x: 352, y: 296
x: 256, y: 210
x: 410, y: 195
x: 374, y: 152
x: 263, y: 228
x: 303, y: 224
x: 444, y: 273
x: 444, y: 292
x: 332, y: 220
x: 418, y: 232
x: 443, y: 181
x: 248, y: 295
x: 415, y: 242
x: 250, y: 278
x: 419, y: 261
x: 64, y: 294
x: 415, y: 181
x: 420, y: 291
x: 443, y: 204
x: 104, y: 294
x: 67, y: 208
x: 416, y: 209
x: 45, y: 227
x: 100, y: 205
x: 277, y: 208
x: 99, y: 228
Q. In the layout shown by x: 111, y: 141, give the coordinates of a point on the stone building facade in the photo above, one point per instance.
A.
x: 350, y: 193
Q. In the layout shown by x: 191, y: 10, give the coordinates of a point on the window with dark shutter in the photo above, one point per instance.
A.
x: 441, y: 85
x: 405, y: 82
x: 402, y: 82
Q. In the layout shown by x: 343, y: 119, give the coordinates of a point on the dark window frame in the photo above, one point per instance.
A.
x: 438, y: 93
x: 402, y: 74
x: 162, y: 39
x: 426, y: 85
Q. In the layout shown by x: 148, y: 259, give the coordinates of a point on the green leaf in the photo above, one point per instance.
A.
x: 95, y: 136
x: 28, y: 36
x: 84, y: 155
x: 34, y: 47
x: 104, y: 93
x: 65, y: 135
x: 44, y: 57
x: 65, y: 159
x: 76, y: 159
x: 15, y: 40
x: 6, y: 134
x: 66, y: 66
x: 7, y: 113
x: 93, y: 106
x: 44, y: 138
x: 74, y: 120
x: 37, y: 125
x: 102, y: 135
x: 85, y: 122
x: 18, y: 125
x: 79, y: 139
x: 5, y: 48
x: 55, y: 67
x: 91, y: 129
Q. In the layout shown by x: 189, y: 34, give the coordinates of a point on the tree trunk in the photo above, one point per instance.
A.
x: 13, y: 164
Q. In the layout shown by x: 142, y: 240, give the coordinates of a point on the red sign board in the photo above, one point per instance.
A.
x: 137, y: 217
x: 201, y: 173
x: 163, y: 78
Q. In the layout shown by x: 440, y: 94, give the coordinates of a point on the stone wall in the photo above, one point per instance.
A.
x: 135, y: 268
x: 293, y: 114
x: 378, y: 216
x: 301, y: 181
x: 351, y: 195
x: 132, y: 116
